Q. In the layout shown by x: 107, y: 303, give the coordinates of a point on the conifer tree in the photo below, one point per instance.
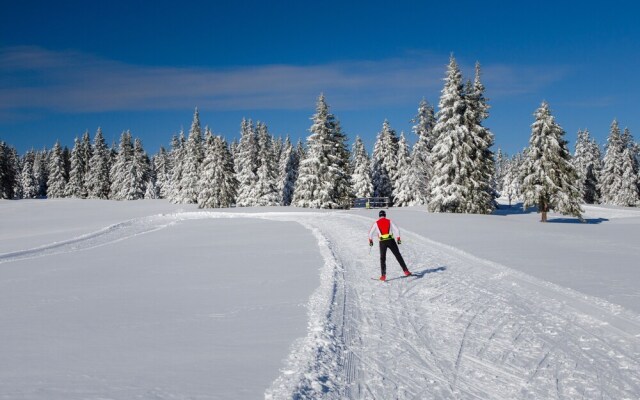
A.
x: 177, y: 166
x: 548, y: 177
x: 451, y: 188
x: 217, y: 181
x: 246, y: 165
x: 403, y: 193
x: 266, y: 189
x: 323, y: 180
x: 162, y: 170
x: 141, y: 173
x: 98, y: 179
x: 193, y: 156
x: 361, y: 176
x: 122, y: 172
x: 56, y: 183
x: 10, y: 171
x: 482, y: 177
x: 511, y: 187
x: 76, y: 185
x: 611, y: 176
x: 421, y: 154
x: 384, y: 162
x: 288, y: 172
x: 587, y: 162
x: 27, y: 178
x: 41, y: 172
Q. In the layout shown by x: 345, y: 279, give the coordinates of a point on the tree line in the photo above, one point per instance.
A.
x: 450, y: 168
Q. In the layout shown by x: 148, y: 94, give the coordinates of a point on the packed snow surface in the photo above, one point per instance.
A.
x: 123, y: 300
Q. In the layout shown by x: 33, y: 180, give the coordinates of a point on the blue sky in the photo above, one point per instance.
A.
x: 71, y: 66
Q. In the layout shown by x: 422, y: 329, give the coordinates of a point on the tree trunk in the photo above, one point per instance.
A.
x: 543, y: 208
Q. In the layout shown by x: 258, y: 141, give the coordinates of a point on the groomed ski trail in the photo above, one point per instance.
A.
x: 465, y: 328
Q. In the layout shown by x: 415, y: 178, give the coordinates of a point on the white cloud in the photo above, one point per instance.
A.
x: 69, y: 81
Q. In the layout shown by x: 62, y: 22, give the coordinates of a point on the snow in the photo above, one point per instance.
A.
x: 146, y: 299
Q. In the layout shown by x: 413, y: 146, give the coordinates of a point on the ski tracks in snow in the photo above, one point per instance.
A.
x: 464, y: 328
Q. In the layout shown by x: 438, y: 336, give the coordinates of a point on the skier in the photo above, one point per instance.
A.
x: 385, y: 229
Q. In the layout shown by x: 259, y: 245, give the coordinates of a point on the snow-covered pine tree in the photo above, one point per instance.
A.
x: 27, y: 178
x: 288, y: 172
x: 217, y: 180
x: 628, y: 194
x: 193, y: 156
x: 76, y: 185
x: 323, y: 180
x: 361, y: 176
x: 421, y: 154
x: 384, y: 161
x: 98, y: 178
x: 588, y: 163
x: 56, y: 182
x: 453, y: 154
x: 482, y: 178
x: 246, y: 165
x: 267, y: 187
x: 548, y: 177
x: 403, y: 193
x: 611, y: 175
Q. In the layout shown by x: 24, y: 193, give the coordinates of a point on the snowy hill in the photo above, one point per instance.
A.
x: 122, y: 300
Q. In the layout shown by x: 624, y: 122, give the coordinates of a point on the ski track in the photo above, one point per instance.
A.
x: 464, y: 328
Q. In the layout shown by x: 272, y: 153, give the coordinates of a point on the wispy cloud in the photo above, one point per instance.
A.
x: 69, y: 81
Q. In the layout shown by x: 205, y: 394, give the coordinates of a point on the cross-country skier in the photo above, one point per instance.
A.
x: 386, y: 230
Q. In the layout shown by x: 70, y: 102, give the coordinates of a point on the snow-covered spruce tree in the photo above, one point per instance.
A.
x: 267, y: 186
x: 628, y: 194
x: 384, y: 161
x: 141, y: 173
x: 403, y: 194
x: 454, y: 153
x: 217, y: 180
x: 8, y: 171
x: 511, y: 187
x: 56, y: 183
x: 361, y: 175
x: 76, y: 185
x: 500, y: 169
x: 177, y: 165
x: 98, y: 178
x: 288, y: 172
x: 323, y: 180
x: 162, y: 170
x: 41, y: 172
x: 587, y: 162
x: 421, y: 153
x: 193, y: 156
x: 611, y: 176
x: 548, y: 177
x: 246, y: 165
x: 122, y: 173
x: 27, y: 178
x: 482, y: 178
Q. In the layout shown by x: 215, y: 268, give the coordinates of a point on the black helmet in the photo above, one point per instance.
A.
x: 382, y: 213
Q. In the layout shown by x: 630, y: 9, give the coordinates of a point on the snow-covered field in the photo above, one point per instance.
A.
x: 145, y: 299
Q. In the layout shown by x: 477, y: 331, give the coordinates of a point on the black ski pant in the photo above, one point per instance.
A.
x: 393, y: 246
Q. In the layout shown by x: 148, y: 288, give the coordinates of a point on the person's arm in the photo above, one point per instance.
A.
x: 373, y: 232
x: 396, y: 232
